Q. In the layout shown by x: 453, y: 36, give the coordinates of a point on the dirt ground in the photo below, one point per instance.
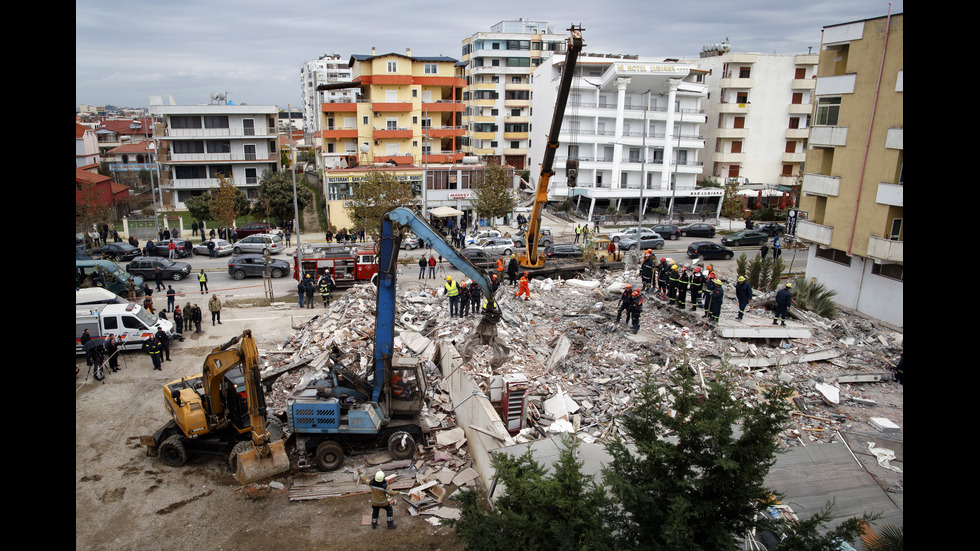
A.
x: 126, y: 500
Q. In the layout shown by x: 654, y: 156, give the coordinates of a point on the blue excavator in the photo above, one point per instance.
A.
x: 333, y: 413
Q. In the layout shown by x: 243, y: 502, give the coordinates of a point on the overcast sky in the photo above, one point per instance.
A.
x: 126, y: 52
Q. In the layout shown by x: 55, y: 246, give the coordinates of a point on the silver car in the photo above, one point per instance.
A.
x: 494, y: 245
x: 221, y: 248
x: 648, y: 240
x: 259, y: 243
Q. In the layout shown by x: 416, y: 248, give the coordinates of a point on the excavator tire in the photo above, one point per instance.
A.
x: 242, y: 446
x: 172, y: 452
x: 329, y: 455
x: 401, y: 445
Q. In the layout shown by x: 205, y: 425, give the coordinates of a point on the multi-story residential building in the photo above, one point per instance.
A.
x: 498, y: 72
x: 633, y: 126
x: 852, y: 200
x: 197, y: 143
x: 86, y: 147
x: 327, y: 69
x: 758, y: 115
x: 112, y: 133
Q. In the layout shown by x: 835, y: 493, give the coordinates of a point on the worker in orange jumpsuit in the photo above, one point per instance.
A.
x: 523, y: 288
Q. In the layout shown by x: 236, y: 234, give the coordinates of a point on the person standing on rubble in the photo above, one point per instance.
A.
x: 646, y: 270
x: 494, y: 284
x: 636, y: 307
x: 717, y: 294
x: 379, y: 500
x: 784, y: 299
x: 464, y: 300
x: 452, y: 291
x: 624, y: 304
x: 683, y: 281
x: 672, y: 283
x: 743, y: 294
x: 513, y: 268
x: 697, y: 281
x: 475, y: 294
x: 523, y: 289
x: 500, y: 266
x: 663, y: 275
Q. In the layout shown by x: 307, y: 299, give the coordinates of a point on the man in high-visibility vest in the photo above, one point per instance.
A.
x: 452, y: 291
x: 202, y: 278
x: 500, y: 266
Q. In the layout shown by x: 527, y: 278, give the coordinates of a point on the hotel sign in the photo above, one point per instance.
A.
x: 652, y: 68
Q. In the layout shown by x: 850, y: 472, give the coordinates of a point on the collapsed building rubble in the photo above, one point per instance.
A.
x: 581, y: 370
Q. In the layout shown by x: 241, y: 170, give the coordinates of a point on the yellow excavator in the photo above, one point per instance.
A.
x: 221, y: 411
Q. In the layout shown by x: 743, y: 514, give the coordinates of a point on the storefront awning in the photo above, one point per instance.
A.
x: 443, y: 212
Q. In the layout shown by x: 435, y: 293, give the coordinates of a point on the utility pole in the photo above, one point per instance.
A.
x: 292, y: 147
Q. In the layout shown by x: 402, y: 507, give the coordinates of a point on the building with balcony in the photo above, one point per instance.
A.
x: 498, y: 72
x: 198, y: 143
x: 758, y: 117
x: 851, y: 207
x: 327, y: 69
x: 408, y: 113
x: 633, y: 128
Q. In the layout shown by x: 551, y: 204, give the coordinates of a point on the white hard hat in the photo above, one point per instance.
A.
x: 379, y: 476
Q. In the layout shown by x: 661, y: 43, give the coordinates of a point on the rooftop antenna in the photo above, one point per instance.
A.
x: 219, y: 98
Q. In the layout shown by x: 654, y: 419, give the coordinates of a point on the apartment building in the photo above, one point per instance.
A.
x: 197, y: 143
x: 852, y: 198
x: 758, y: 115
x: 329, y: 68
x: 408, y: 113
x: 633, y: 127
x: 499, y: 64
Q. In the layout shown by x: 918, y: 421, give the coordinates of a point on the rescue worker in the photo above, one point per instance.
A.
x: 153, y: 347
x: 164, y: 342
x: 717, y: 294
x: 523, y: 289
x: 784, y: 299
x: 697, y: 281
x: 301, y: 290
x: 379, y: 500
x: 464, y: 300
x: 663, y: 275
x: 310, y: 288
x: 578, y: 232
x: 512, y: 269
x: 683, y: 281
x: 326, y: 285
x: 646, y: 271
x: 452, y: 291
x: 743, y: 294
x: 500, y: 265
x: 494, y: 283
x: 636, y: 306
x: 673, y: 283
x: 624, y: 303
x: 709, y: 287
x: 475, y: 294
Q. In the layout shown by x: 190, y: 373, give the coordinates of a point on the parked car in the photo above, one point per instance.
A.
x: 410, y: 242
x: 253, y: 265
x: 146, y: 266
x: 252, y: 228
x: 494, y: 245
x: 162, y: 248
x: 698, y: 230
x: 482, y: 234
x: 745, y: 237
x: 479, y: 258
x: 119, y: 251
x: 667, y: 231
x: 221, y: 248
x: 259, y: 243
x: 565, y: 250
x: 545, y: 238
x: 629, y: 233
x: 771, y: 229
x: 709, y: 250
x: 648, y: 240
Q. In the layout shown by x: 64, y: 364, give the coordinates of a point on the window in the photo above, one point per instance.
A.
x: 216, y: 121
x: 800, y: 73
x: 185, y: 122
x: 430, y: 68
x: 833, y: 255
x: 737, y: 146
x: 787, y: 170
x: 828, y: 111
x: 742, y: 97
x: 790, y: 146
x: 392, y: 66
x: 794, y: 122
x: 187, y: 147
x: 251, y: 175
x: 744, y: 72
x: 891, y: 271
x: 797, y: 98
x: 515, y: 145
x: 221, y: 146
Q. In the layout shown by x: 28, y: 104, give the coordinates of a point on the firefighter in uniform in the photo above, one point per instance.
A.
x: 697, y: 281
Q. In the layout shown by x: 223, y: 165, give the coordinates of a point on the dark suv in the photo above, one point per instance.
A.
x: 667, y: 231
x: 146, y: 267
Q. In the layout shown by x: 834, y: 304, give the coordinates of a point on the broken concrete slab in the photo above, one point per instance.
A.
x: 884, y: 425
x: 759, y: 328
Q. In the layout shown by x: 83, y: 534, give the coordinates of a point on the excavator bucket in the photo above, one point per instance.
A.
x: 258, y: 463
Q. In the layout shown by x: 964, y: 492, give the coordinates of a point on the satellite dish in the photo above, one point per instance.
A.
x: 365, y: 147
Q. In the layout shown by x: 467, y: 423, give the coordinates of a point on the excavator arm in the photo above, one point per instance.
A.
x: 531, y: 259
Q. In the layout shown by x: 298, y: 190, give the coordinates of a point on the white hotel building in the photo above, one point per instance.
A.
x: 629, y: 121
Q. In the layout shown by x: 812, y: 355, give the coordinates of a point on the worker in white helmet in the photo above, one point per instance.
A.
x: 379, y: 499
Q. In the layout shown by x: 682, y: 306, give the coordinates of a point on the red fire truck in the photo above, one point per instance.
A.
x: 347, y: 265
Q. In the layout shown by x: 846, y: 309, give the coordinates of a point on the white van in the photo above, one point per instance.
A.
x: 92, y: 296
x: 130, y: 323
